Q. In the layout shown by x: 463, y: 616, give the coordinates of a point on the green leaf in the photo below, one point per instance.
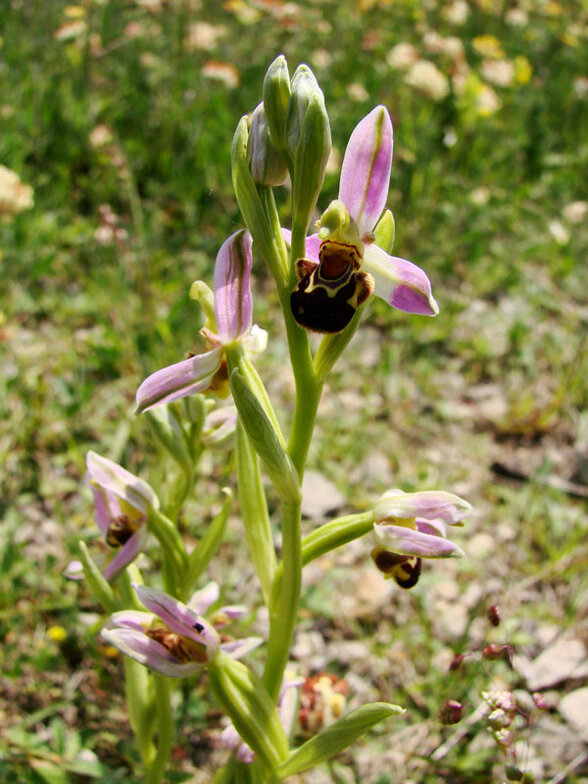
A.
x: 337, y: 737
x: 254, y: 513
x: 265, y: 440
x: 98, y: 585
x: 245, y: 700
x: 47, y: 771
x: 207, y: 547
x: 168, y: 430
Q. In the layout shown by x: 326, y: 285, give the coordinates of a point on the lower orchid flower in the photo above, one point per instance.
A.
x: 412, y: 526
x: 172, y: 638
x: 228, y: 322
x: 344, y: 263
x: 122, y: 504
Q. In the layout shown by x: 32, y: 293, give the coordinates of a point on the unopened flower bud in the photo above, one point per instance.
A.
x: 495, y: 651
x: 539, y: 700
x: 268, y: 165
x: 513, y: 773
x: 306, y: 93
x: 500, y: 699
x: 503, y: 738
x: 494, y: 615
x: 308, y: 138
x: 456, y: 662
x: 276, y: 99
x: 498, y: 719
x: 451, y: 712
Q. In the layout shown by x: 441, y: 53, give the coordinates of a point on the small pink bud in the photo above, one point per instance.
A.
x: 496, y: 651
x: 456, y: 662
x: 450, y: 712
x: 494, y: 615
x: 503, y: 738
x: 539, y: 700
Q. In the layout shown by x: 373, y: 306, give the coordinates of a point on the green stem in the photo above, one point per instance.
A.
x: 332, y: 535
x: 284, y: 609
x: 140, y: 707
x: 165, y: 731
x: 308, y: 387
x: 175, y: 558
x: 254, y: 512
x: 180, y: 490
x: 266, y: 197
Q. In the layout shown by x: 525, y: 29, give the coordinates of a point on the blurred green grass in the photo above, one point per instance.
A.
x: 108, y: 110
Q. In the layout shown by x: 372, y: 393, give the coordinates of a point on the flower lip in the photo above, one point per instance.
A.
x: 177, y: 617
x: 149, y: 652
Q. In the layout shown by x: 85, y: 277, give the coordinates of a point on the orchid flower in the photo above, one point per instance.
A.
x: 344, y: 265
x: 172, y: 638
x: 412, y: 526
x: 228, y: 322
x: 122, y: 504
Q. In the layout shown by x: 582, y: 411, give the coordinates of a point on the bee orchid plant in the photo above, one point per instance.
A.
x: 323, y: 280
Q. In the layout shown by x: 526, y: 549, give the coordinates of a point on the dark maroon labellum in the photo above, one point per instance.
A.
x: 456, y: 662
x: 539, y: 700
x: 405, y: 569
x: 494, y: 615
x: 451, y: 712
x: 496, y: 651
x: 330, y: 292
x: 120, y: 530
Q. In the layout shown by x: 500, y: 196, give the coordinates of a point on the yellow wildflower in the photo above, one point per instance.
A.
x: 523, y: 70
x: 74, y: 12
x: 56, y: 633
x: 488, y: 46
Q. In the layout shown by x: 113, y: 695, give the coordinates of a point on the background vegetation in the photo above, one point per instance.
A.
x: 119, y: 115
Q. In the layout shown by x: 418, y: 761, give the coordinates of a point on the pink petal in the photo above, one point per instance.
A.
x: 313, y: 244
x: 233, y: 303
x: 176, y: 381
x: 126, y: 555
x: 236, y: 649
x: 399, y: 282
x: 102, y: 513
x: 132, y: 619
x: 114, y: 480
x: 149, y: 652
x: 178, y: 617
x: 407, y: 541
x: 431, y: 505
x: 201, y: 600
x: 365, y: 174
